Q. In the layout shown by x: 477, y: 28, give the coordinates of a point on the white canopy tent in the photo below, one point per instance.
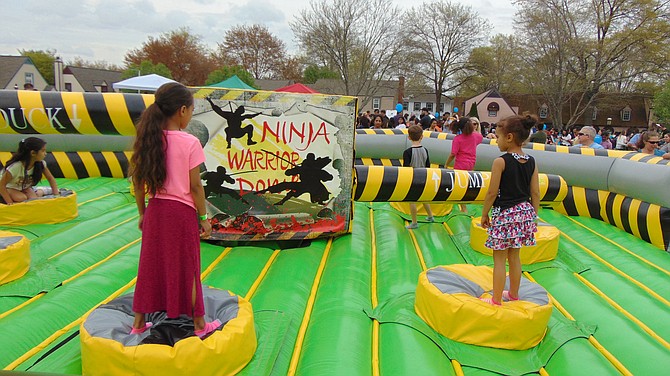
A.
x: 150, y: 82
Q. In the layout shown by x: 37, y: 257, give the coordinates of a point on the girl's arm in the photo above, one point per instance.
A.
x: 535, y: 191
x: 494, y: 185
x: 51, y: 180
x: 198, y: 193
x: 138, y: 186
x: 451, y: 158
x: 6, y: 178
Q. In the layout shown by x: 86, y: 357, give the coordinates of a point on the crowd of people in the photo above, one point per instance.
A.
x: 655, y: 140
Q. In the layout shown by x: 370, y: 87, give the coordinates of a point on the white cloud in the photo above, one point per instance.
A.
x: 107, y: 29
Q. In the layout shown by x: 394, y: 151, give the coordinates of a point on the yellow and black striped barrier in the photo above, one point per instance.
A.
x: 629, y: 155
x: 258, y: 96
x: 84, y: 164
x: 394, y: 184
x: 51, y: 112
x: 647, y: 221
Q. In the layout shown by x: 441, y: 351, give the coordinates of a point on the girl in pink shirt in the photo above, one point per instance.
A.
x: 166, y: 166
x: 464, y: 146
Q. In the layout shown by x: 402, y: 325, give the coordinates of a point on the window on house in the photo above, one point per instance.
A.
x: 417, y: 106
x: 376, y: 103
x: 544, y: 111
x: 29, y: 78
x: 405, y: 106
x: 442, y: 106
x: 493, y: 109
x: 429, y: 106
x: 626, y: 114
x: 595, y: 113
x: 68, y: 86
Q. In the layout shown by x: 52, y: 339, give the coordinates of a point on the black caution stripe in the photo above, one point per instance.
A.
x: 389, y: 183
x: 647, y: 221
x: 47, y: 112
x: 79, y: 165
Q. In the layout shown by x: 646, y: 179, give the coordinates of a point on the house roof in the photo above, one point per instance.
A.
x: 9, y: 65
x: 272, y: 85
x: 89, y: 78
x: 387, y: 88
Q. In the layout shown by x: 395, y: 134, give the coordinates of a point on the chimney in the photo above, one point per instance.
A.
x: 58, y: 74
x: 400, y: 91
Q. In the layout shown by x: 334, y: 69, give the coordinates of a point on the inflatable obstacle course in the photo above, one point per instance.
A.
x: 545, y: 249
x: 48, y: 209
x: 169, y: 347
x: 448, y: 299
x: 14, y: 256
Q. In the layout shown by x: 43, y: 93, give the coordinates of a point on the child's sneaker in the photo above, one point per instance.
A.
x: 430, y: 219
x: 507, y: 297
x: 412, y: 226
x: 490, y: 301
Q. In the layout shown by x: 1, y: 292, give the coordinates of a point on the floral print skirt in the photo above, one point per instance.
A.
x: 512, y: 228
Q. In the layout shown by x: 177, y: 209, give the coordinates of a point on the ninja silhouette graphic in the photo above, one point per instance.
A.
x: 311, y: 175
x: 215, y: 182
x: 234, y: 119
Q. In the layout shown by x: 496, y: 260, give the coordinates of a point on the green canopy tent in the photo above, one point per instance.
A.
x: 233, y: 82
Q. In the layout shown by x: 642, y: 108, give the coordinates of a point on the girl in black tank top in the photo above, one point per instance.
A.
x: 513, y: 199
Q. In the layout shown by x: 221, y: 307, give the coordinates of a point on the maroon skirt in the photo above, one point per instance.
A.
x: 169, y: 261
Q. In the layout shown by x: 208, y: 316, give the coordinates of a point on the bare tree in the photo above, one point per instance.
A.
x: 254, y: 48
x: 345, y: 36
x: 577, y: 48
x: 439, y: 48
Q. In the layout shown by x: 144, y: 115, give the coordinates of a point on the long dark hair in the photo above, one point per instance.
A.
x: 23, y: 155
x: 147, y: 165
x: 519, y: 125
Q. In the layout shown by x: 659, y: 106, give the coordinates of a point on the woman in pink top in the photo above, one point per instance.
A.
x: 166, y: 166
x: 464, y: 146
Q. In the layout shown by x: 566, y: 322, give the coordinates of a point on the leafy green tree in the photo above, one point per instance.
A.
x: 97, y: 64
x: 44, y: 62
x: 662, y: 104
x: 225, y: 73
x: 314, y: 72
x: 473, y: 111
x: 574, y: 50
x: 144, y: 68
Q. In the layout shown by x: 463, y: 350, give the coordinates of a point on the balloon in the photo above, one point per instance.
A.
x: 598, y: 139
x: 398, y: 107
x: 437, y: 114
x: 455, y: 109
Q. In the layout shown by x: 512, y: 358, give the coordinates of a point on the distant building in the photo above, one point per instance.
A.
x: 16, y: 71
x: 390, y: 93
x: 616, y: 112
x: 89, y: 80
x: 491, y: 107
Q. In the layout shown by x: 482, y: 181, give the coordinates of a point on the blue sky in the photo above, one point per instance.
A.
x: 106, y: 29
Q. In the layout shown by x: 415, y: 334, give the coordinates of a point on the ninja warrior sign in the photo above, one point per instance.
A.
x: 279, y: 165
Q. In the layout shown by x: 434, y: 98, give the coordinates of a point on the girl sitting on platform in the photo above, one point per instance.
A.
x: 513, y: 199
x: 166, y: 166
x: 24, y: 170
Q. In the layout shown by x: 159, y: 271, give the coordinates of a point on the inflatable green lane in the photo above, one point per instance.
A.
x: 64, y: 306
x: 338, y: 320
x: 246, y: 261
x: 620, y: 336
x: 285, y: 291
x: 398, y: 268
x: 64, y: 354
